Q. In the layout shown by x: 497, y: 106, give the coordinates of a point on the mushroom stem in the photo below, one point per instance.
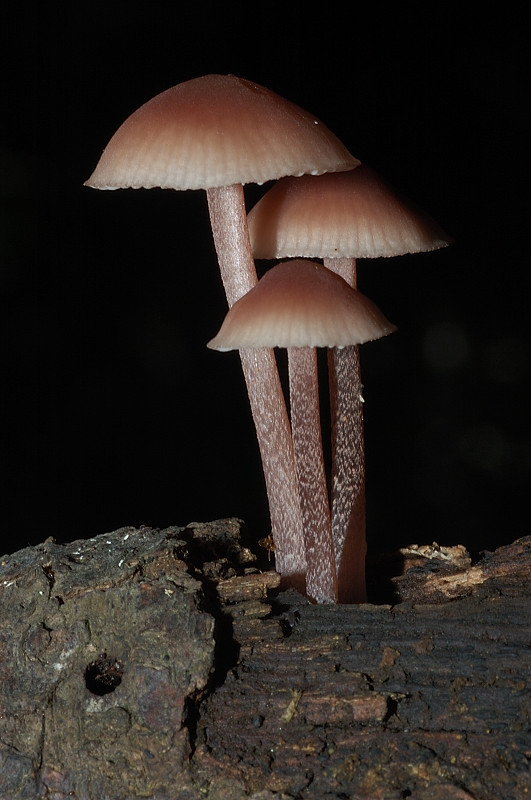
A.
x: 231, y: 238
x: 348, y: 459
x: 321, y: 582
x: 226, y: 205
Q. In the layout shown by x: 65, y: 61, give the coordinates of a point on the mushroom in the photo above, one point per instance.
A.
x: 301, y: 305
x: 218, y: 132
x: 352, y: 214
x: 341, y: 217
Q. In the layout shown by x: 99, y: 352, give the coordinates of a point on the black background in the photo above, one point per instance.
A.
x: 115, y: 413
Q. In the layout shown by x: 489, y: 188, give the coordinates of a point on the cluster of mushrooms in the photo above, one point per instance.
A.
x: 219, y: 132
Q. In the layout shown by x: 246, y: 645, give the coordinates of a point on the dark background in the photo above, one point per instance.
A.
x: 115, y: 413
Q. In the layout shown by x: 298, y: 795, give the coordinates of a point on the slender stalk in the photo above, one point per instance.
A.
x: 321, y: 582
x: 348, y: 476
x: 348, y: 460
x: 231, y: 238
x: 346, y: 267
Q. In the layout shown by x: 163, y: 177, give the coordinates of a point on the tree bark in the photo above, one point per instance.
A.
x: 164, y: 665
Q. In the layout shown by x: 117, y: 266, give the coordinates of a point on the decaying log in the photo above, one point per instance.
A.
x: 164, y: 665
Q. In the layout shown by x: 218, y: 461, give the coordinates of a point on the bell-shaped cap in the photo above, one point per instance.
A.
x: 217, y: 130
x: 351, y: 214
x: 301, y: 303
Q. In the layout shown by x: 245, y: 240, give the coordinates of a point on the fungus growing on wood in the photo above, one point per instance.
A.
x: 301, y: 305
x: 341, y: 217
x: 217, y: 133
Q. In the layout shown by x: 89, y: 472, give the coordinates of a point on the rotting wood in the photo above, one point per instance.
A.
x: 228, y: 689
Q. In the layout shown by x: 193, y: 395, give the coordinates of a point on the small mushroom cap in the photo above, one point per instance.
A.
x: 300, y: 303
x: 217, y: 130
x: 345, y: 215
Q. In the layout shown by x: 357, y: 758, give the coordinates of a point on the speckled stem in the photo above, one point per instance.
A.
x: 348, y: 460
x: 321, y: 583
x: 231, y: 238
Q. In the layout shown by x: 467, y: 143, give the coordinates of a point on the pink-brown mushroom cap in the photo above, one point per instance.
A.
x: 217, y: 130
x: 300, y: 303
x: 351, y: 214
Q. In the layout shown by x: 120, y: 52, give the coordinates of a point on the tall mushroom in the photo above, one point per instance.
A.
x: 341, y: 217
x: 302, y: 305
x: 217, y: 133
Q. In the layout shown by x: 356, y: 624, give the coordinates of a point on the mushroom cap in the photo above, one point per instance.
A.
x: 342, y: 215
x: 217, y: 130
x: 301, y: 303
